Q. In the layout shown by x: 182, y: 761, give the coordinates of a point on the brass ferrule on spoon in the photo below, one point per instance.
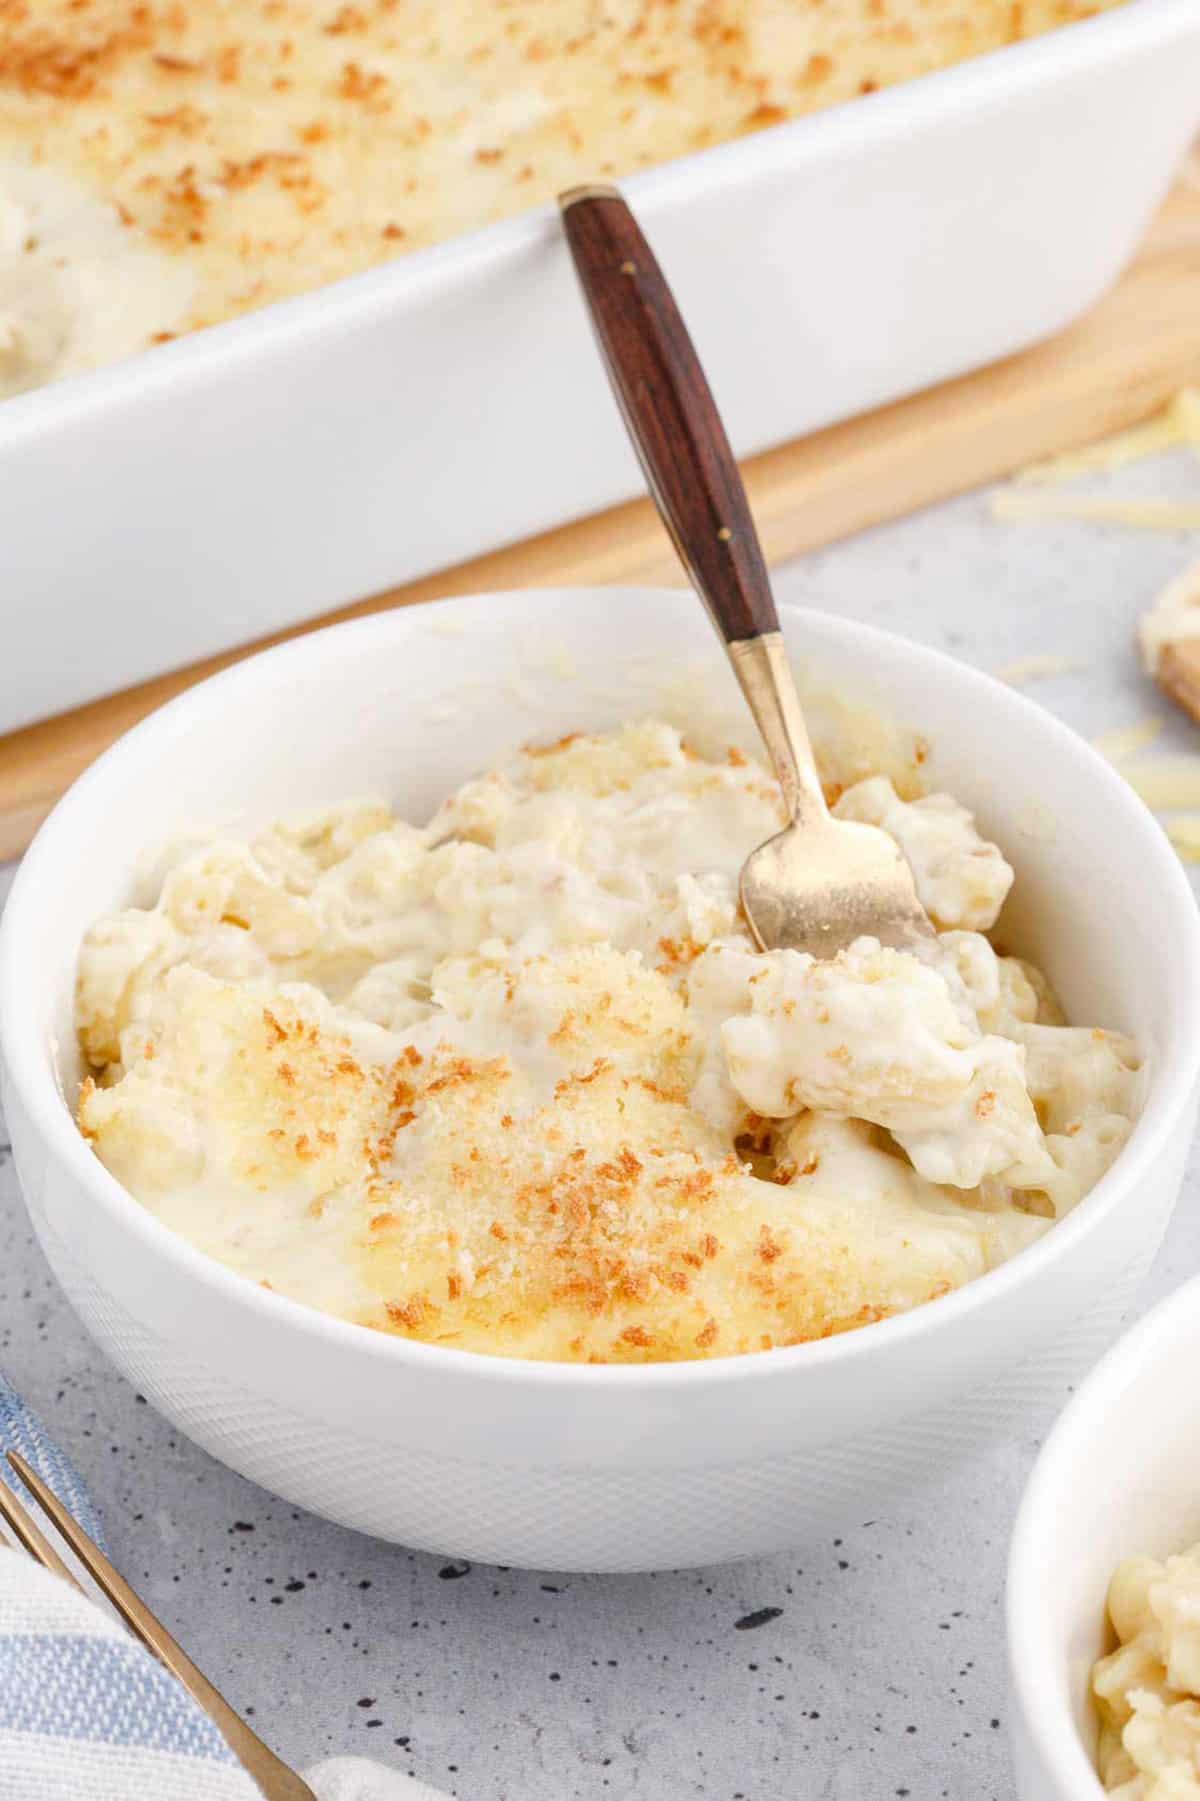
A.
x: 765, y: 676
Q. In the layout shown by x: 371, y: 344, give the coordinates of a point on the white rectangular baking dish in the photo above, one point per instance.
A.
x: 265, y: 470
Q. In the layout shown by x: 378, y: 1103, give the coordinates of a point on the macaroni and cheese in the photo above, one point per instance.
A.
x: 164, y: 166
x: 519, y: 1082
x: 1148, y: 1689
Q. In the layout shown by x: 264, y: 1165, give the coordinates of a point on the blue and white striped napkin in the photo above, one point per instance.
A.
x: 86, y: 1714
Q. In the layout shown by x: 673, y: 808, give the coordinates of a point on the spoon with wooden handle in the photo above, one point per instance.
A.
x: 822, y: 882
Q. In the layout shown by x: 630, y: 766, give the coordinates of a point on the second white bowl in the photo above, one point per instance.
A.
x: 1118, y: 1476
x: 561, y: 1465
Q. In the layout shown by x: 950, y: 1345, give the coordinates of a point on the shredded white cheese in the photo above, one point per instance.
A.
x: 1167, y: 782
x: 1037, y: 667
x: 1178, y: 423
x: 1184, y: 833
x: 1146, y: 514
x: 1126, y: 740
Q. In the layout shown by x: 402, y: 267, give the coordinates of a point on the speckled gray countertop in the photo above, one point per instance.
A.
x: 858, y: 1669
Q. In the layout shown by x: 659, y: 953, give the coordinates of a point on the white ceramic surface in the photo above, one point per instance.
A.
x: 265, y: 470
x: 552, y: 1465
x: 1119, y: 1475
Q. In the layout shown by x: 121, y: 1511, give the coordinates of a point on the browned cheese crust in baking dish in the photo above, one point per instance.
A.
x: 165, y: 166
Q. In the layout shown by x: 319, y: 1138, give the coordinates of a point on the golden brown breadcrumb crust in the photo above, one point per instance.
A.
x: 280, y: 144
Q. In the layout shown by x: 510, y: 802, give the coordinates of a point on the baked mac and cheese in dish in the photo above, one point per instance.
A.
x: 1148, y: 1689
x: 165, y: 164
x: 518, y: 1081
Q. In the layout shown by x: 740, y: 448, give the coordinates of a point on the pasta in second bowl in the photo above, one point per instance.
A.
x: 1101, y: 1590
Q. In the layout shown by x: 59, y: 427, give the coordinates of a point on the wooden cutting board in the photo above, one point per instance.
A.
x: 1112, y: 368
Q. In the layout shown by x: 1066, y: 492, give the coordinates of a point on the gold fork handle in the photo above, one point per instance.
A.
x: 672, y: 419
x: 273, y: 1776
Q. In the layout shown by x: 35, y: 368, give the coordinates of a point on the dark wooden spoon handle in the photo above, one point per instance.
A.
x: 670, y: 412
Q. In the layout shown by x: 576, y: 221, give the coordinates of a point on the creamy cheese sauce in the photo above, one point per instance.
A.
x: 518, y: 1081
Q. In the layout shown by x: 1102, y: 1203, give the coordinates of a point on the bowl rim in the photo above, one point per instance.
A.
x: 28, y: 1065
x: 1032, y: 1651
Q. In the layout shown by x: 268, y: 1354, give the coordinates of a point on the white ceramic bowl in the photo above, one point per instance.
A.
x: 559, y: 1465
x: 1119, y: 1474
